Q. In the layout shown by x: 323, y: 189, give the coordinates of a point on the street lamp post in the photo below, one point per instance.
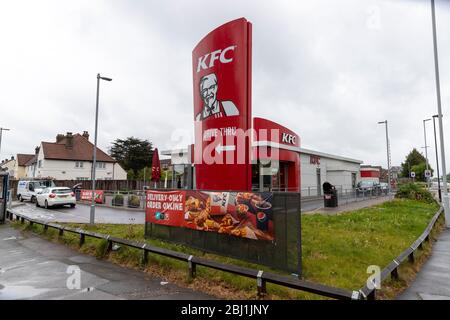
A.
x: 426, y: 148
x: 388, y: 154
x: 94, y: 158
x: 1, y: 133
x: 441, y: 130
x: 437, y: 159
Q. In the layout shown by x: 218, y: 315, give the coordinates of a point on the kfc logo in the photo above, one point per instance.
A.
x: 222, y: 55
x: 211, y: 106
x: 288, y: 138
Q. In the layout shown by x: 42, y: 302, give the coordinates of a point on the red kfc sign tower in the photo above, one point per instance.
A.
x: 221, y: 64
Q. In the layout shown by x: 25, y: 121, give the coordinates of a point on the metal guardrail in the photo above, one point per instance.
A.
x: 392, y: 268
x: 261, y: 277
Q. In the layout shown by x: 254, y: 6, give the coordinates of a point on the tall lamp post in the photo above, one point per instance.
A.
x: 437, y: 159
x: 94, y: 158
x: 388, y: 154
x: 426, y: 147
x: 1, y: 133
x: 441, y: 130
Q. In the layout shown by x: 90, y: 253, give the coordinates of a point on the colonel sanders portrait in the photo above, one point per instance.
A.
x: 213, y: 108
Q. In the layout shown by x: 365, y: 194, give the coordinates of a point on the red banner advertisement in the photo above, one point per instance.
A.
x: 86, y: 195
x: 241, y: 214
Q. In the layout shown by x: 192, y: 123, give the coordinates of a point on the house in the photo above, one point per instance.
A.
x: 16, y: 165
x: 70, y: 158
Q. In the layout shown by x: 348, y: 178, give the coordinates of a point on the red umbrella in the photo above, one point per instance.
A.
x: 156, y: 166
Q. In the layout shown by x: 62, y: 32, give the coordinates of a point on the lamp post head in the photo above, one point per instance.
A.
x: 426, y: 120
x: 103, y: 78
x: 381, y: 122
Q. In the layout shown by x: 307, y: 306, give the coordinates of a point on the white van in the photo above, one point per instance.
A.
x: 27, y: 189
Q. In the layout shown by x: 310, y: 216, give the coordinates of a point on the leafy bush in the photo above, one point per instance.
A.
x: 134, y: 201
x: 117, y: 200
x: 414, y: 192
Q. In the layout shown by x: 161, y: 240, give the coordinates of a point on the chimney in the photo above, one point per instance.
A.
x: 36, y: 150
x: 86, y: 135
x: 59, y: 137
x: 69, y: 140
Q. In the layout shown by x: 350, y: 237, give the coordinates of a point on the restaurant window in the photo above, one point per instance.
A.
x: 181, y: 176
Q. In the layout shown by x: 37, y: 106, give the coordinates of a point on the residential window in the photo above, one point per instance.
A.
x: 78, y: 164
x: 40, y: 164
x: 100, y: 165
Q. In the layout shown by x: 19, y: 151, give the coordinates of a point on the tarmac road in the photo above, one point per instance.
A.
x: 34, y: 268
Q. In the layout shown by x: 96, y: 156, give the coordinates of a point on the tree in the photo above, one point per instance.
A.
x: 415, y: 162
x: 133, y: 154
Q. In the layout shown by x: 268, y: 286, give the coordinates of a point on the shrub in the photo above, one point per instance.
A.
x: 117, y: 200
x: 414, y: 192
x: 134, y: 201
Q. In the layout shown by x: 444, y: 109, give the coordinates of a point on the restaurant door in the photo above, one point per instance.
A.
x: 270, y: 176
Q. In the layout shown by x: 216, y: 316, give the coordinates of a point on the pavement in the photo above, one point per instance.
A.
x: 37, y: 269
x: 349, y: 205
x: 433, y: 279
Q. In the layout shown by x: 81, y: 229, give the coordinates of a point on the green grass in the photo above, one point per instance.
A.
x: 336, y: 251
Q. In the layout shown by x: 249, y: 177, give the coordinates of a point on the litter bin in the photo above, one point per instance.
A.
x: 77, y: 190
x: 330, y: 199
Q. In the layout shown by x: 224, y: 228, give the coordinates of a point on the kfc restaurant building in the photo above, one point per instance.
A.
x: 235, y: 151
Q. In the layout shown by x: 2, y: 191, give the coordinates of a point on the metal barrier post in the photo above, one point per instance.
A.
x: 261, y: 284
x: 144, y: 255
x: 411, y: 257
x: 192, y: 268
x: 82, y: 239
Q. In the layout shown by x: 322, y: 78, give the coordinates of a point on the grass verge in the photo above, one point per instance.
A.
x: 336, y: 251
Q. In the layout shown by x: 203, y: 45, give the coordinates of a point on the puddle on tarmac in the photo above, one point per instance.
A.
x: 19, y: 292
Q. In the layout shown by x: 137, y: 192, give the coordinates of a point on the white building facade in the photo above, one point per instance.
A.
x: 70, y: 159
x: 315, y: 169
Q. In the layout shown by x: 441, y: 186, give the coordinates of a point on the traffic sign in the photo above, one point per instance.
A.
x: 427, y: 173
x: 413, y: 174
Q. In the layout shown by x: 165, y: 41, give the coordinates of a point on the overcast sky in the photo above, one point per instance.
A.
x: 328, y: 70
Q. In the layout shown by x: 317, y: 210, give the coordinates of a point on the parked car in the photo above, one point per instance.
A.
x: 366, y: 188
x: 56, y: 196
x: 28, y: 189
x: 384, y: 187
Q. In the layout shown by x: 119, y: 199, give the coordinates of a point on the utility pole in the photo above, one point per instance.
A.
x: 94, y: 160
x: 388, y: 153
x: 437, y: 159
x: 441, y: 128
